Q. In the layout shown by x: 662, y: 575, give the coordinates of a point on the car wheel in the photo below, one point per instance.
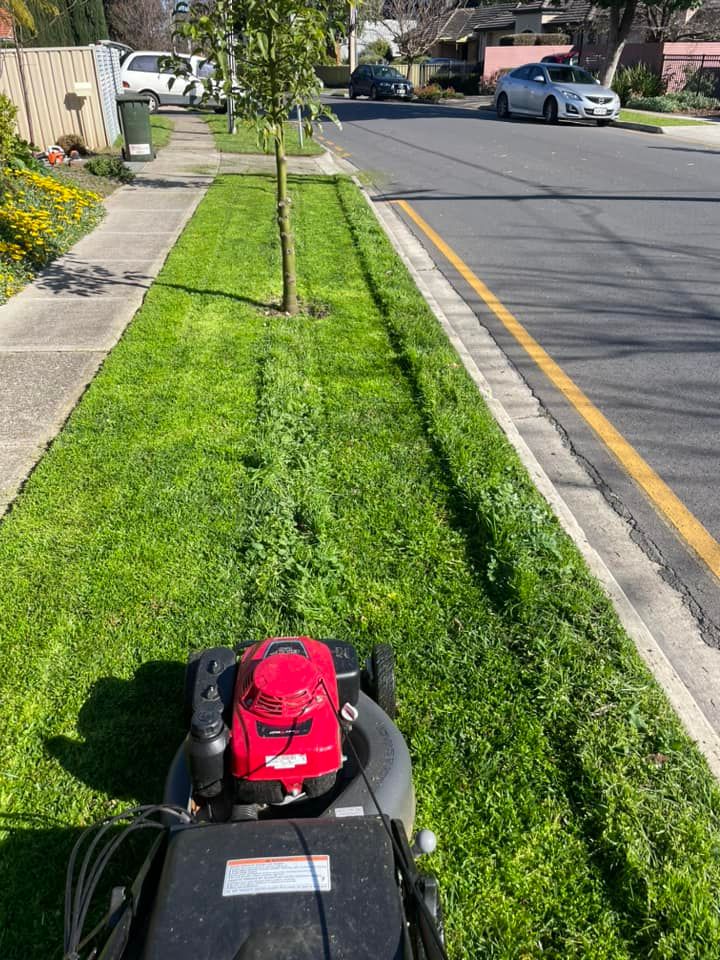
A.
x: 603, y: 123
x: 502, y: 108
x: 154, y: 104
x: 550, y: 110
x: 351, y: 92
x: 374, y: 93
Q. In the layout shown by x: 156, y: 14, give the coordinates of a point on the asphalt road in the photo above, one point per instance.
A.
x: 605, y: 244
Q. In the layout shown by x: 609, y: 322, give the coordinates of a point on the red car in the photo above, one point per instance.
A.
x: 572, y: 57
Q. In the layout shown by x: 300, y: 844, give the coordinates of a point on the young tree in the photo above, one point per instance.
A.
x: 275, y: 45
x: 415, y: 25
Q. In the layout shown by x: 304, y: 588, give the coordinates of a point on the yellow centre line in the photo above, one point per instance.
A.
x: 663, y: 498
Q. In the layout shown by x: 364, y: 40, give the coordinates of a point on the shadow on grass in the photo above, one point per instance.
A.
x: 221, y: 294
x: 33, y: 860
x: 130, y: 730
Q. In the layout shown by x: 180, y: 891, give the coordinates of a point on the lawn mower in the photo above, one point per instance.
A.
x: 285, y: 829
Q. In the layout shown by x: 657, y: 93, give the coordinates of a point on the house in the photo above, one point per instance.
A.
x: 7, y: 30
x: 468, y: 31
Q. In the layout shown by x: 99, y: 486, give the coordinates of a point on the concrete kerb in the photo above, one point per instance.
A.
x: 56, y: 333
x: 690, y: 662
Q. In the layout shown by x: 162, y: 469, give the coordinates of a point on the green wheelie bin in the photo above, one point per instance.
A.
x: 135, y: 126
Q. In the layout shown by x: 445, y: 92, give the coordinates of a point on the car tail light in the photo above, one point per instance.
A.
x: 126, y: 85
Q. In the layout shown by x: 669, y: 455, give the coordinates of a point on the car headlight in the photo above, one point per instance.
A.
x: 570, y: 95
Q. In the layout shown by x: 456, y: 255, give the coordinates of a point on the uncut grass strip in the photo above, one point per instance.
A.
x: 646, y: 800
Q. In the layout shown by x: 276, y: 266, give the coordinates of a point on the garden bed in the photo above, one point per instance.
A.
x: 41, y: 216
x: 234, y: 473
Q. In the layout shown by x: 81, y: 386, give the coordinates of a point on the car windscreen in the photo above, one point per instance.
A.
x: 388, y: 72
x: 569, y: 75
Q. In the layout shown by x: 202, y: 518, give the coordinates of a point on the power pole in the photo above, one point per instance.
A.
x: 352, y: 37
x: 232, y: 66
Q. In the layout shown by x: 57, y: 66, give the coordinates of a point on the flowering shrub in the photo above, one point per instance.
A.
x: 40, y: 218
x: 430, y: 93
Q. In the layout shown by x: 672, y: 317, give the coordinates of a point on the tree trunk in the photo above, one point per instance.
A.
x: 290, y: 303
x: 619, y: 32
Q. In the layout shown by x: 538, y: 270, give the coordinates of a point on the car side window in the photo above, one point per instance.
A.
x: 145, y: 64
x: 522, y: 74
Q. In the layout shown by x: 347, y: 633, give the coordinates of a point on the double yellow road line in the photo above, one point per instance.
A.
x: 665, y: 501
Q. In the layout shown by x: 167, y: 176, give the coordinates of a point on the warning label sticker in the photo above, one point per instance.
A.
x: 277, y: 875
x: 286, y: 761
x: 138, y: 149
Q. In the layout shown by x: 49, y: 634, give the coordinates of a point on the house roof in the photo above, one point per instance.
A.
x: 493, y: 18
x: 457, y: 26
x: 573, y: 11
x: 464, y: 21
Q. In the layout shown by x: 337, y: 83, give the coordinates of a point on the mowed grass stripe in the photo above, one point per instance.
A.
x: 234, y: 473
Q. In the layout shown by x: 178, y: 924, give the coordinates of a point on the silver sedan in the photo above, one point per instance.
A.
x: 555, y: 92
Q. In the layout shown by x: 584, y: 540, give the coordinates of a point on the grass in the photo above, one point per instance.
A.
x: 162, y: 128
x: 234, y: 473
x: 245, y: 139
x: 654, y: 120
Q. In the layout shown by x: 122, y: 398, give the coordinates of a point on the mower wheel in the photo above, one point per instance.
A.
x: 381, y: 671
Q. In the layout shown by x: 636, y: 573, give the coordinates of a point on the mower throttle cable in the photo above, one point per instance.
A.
x: 343, y: 717
x: 79, y: 894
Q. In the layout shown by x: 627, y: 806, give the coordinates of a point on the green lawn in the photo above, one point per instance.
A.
x: 245, y: 139
x: 162, y: 128
x: 233, y: 473
x: 632, y: 116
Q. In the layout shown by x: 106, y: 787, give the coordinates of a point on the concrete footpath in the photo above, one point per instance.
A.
x: 57, y: 332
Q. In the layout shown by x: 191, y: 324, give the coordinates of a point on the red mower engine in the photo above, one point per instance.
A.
x: 285, y: 736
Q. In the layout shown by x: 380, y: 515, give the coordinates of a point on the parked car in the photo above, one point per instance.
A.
x: 378, y: 81
x: 555, y: 92
x: 144, y: 71
x: 572, y: 57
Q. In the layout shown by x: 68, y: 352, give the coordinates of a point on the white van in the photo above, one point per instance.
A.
x: 143, y: 72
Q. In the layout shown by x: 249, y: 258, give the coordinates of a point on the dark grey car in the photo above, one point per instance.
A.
x: 378, y: 81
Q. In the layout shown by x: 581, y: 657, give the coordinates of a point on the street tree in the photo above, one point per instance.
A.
x: 668, y: 22
x: 141, y: 24
x: 267, y: 51
x: 415, y: 25
x: 621, y: 16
